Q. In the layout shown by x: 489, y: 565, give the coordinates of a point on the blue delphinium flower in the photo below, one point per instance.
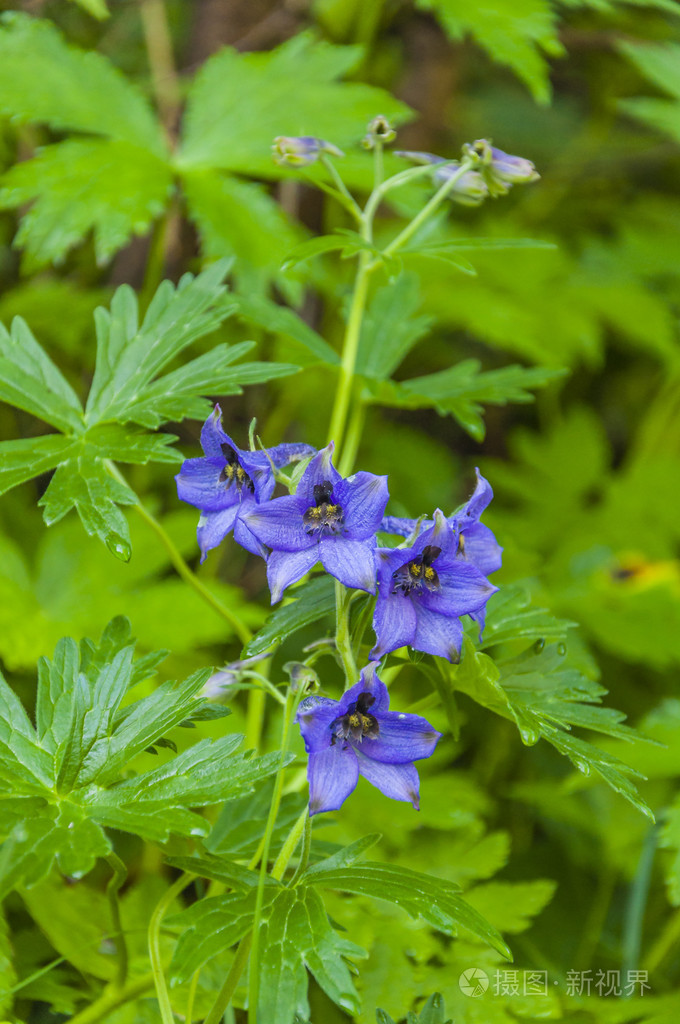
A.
x: 328, y: 519
x: 476, y: 542
x: 227, y: 481
x: 423, y: 591
x: 500, y: 170
x: 358, y: 735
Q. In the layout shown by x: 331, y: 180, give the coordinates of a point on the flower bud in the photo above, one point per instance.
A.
x: 469, y: 190
x: 301, y: 150
x: 378, y: 130
x: 500, y: 170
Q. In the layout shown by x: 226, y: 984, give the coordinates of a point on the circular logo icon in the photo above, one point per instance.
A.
x: 473, y: 982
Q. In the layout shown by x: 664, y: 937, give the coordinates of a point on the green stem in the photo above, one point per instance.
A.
x: 429, y: 208
x: 290, y: 845
x: 155, y: 944
x: 181, y: 567
x: 255, y: 718
x: 219, y: 1007
x: 350, y: 347
x: 306, y: 847
x: 191, y: 997
x: 668, y: 940
x: 112, y: 889
x: 343, y: 639
x: 350, y: 202
x: 161, y: 60
x: 292, y: 699
x: 353, y: 437
x: 635, y: 910
x: 113, y: 997
x: 378, y: 164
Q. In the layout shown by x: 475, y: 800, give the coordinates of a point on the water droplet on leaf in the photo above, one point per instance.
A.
x: 561, y: 649
x: 539, y: 645
x: 529, y: 736
x: 119, y: 547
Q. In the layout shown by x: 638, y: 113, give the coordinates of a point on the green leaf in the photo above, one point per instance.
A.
x: 238, y: 219
x: 433, y: 1012
x: 297, y: 935
x: 130, y: 356
x: 314, y: 247
x: 8, y: 975
x: 512, y: 616
x: 516, y: 33
x: 28, y: 457
x: 237, y: 832
x: 239, y: 102
x: 29, y: 380
x: 390, y: 329
x: 460, y: 390
x: 72, y: 89
x: 121, y: 189
x: 85, y: 485
x: 256, y: 309
x: 436, y: 900
x: 346, y: 856
x: 97, y: 8
x: 670, y: 839
x: 312, y: 601
x: 211, y: 926
x: 234, y: 876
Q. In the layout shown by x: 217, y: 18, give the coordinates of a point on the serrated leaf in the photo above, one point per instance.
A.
x: 238, y: 103
x: 28, y: 457
x: 121, y: 189
x: 347, y: 855
x: 511, y: 616
x: 516, y: 33
x: 297, y: 935
x: 436, y: 900
x: 460, y: 391
x: 72, y: 88
x: 283, y: 321
x: 314, y: 247
x: 311, y: 602
x: 29, y: 380
x: 211, y: 926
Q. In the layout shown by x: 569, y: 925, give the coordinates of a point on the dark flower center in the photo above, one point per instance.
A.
x: 233, y: 472
x: 418, y: 573
x: 356, y: 722
x: 325, y: 517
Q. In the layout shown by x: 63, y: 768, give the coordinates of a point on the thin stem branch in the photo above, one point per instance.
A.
x: 355, y: 430
x: 112, y: 890
x: 343, y: 639
x: 155, y: 944
x: 290, y: 845
x: 225, y: 994
x: 191, y: 996
x: 161, y: 60
x: 429, y: 208
x: 113, y: 997
x: 306, y: 847
x: 350, y: 203
x: 350, y: 347
x: 181, y: 567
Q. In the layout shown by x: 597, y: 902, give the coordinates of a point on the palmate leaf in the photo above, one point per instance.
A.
x: 433, y: 1012
x: 61, y: 781
x: 659, y: 64
x: 43, y: 79
x: 239, y: 102
x: 460, y: 391
x: 390, y: 329
x: 436, y: 900
x: 517, y: 33
x: 129, y: 392
x: 120, y: 188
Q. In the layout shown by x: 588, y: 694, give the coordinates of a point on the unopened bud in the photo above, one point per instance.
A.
x: 500, y: 170
x: 469, y: 190
x: 301, y: 150
x: 378, y: 130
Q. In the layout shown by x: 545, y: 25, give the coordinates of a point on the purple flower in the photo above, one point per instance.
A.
x: 501, y: 170
x: 476, y: 542
x: 423, y: 591
x: 328, y: 519
x: 301, y: 150
x: 469, y: 190
x: 227, y: 481
x: 357, y: 735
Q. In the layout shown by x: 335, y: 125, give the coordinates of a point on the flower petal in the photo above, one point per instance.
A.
x: 477, y: 502
x: 199, y: 484
x: 350, y: 561
x: 213, y: 528
x: 404, y: 527
x: 319, y: 470
x: 438, y: 634
x: 397, y: 781
x: 363, y: 498
x: 248, y: 540
x: 282, y: 454
x: 481, y: 548
x: 278, y: 524
x: 402, y: 738
x: 213, y: 437
x: 394, y: 623
x: 286, y: 567
x: 333, y: 774
x: 368, y: 683
x: 462, y: 589
x: 314, y: 716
